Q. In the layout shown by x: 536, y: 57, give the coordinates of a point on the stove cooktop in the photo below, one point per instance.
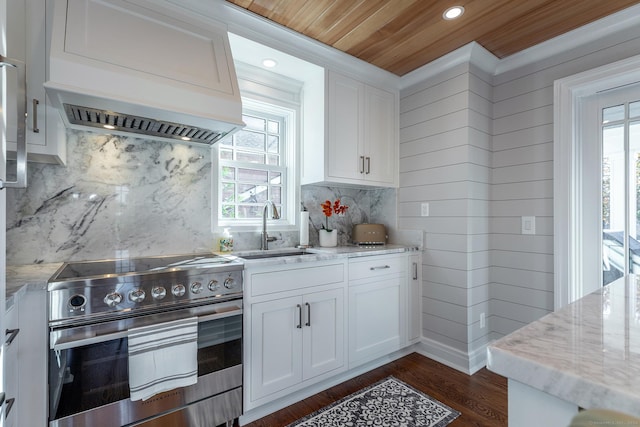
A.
x: 156, y: 264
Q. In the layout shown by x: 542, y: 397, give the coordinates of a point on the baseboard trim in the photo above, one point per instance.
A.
x: 298, y: 395
x: 469, y: 363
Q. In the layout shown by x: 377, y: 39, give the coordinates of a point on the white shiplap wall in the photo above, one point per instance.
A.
x: 479, y: 150
x: 521, y: 289
x: 445, y: 156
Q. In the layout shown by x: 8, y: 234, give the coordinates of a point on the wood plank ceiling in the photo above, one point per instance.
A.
x: 402, y: 35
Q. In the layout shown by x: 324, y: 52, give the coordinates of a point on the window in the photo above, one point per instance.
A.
x: 256, y: 165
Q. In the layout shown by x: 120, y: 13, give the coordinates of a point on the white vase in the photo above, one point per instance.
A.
x: 328, y: 239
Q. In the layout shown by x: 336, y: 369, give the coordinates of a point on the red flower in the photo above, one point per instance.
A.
x: 329, y: 209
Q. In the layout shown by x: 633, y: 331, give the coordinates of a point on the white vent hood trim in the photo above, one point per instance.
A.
x: 162, y: 68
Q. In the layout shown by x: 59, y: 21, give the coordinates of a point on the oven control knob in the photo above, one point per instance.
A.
x: 229, y: 283
x: 178, y: 290
x: 213, y: 285
x: 137, y: 295
x: 77, y: 302
x: 158, y: 292
x: 113, y: 299
x: 196, y: 287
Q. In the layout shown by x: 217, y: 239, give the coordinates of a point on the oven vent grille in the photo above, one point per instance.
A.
x: 110, y: 120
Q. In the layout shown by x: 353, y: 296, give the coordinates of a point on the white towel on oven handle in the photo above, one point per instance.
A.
x: 163, y: 357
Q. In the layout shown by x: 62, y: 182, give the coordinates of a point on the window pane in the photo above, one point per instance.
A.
x: 248, y: 211
x: 273, y: 144
x: 250, y: 193
x: 274, y: 160
x: 243, y: 156
x: 276, y: 195
x: 228, y: 211
x: 274, y: 127
x: 252, y: 175
x: 612, y: 114
x: 228, y: 192
x: 228, y: 172
x: 613, y: 200
x: 254, y: 123
x: 226, y: 154
x: 276, y: 178
x: 253, y: 140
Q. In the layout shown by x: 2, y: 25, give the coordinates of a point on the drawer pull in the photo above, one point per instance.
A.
x: 35, y: 115
x: 380, y: 267
x: 13, y: 333
x: 299, y: 326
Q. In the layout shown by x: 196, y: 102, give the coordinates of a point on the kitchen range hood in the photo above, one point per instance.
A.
x: 142, y: 68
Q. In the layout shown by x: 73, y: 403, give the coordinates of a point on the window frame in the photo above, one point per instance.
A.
x: 288, y: 167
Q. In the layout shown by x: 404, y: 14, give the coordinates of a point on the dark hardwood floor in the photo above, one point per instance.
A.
x: 481, y: 398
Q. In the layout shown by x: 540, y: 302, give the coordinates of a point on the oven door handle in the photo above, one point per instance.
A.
x: 63, y: 343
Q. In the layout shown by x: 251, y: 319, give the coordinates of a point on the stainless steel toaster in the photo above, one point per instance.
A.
x: 369, y: 234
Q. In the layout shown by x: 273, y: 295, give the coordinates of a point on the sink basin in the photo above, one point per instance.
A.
x: 263, y: 255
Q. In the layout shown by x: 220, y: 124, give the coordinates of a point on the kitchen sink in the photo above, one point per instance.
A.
x: 263, y: 255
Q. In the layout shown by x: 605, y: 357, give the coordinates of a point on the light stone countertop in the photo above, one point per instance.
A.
x: 318, y: 254
x: 587, y: 353
x: 30, y: 276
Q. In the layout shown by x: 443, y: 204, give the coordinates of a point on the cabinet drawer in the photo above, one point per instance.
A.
x: 374, y: 266
x: 296, y: 278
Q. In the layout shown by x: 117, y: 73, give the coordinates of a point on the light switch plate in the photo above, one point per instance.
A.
x: 528, y: 225
x: 424, y: 209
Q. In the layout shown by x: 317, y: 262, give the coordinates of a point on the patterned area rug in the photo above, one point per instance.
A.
x: 389, y: 402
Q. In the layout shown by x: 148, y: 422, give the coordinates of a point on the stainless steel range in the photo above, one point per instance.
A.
x: 94, y: 309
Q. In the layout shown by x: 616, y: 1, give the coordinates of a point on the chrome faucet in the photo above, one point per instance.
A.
x: 274, y: 215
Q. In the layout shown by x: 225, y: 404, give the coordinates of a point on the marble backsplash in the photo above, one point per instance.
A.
x: 126, y: 197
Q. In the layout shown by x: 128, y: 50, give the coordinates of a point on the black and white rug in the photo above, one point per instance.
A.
x: 389, y: 402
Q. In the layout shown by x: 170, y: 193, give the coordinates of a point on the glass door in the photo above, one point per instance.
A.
x: 620, y: 171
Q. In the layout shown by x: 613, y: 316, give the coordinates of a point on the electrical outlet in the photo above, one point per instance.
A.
x: 482, y: 321
x: 424, y: 209
x: 528, y: 225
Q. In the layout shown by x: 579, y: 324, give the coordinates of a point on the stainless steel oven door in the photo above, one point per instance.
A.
x: 89, y: 378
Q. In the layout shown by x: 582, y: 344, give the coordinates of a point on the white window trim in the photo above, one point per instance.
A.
x: 291, y: 193
x: 570, y: 98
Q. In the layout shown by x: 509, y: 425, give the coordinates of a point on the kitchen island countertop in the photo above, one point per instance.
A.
x: 587, y: 354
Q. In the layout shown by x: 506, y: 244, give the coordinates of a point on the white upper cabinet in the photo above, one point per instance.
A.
x: 27, y: 28
x: 361, y: 136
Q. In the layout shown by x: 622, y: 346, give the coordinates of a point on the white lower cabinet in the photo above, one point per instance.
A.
x: 25, y: 361
x: 296, y: 336
x: 11, y: 366
x: 377, y: 307
x: 312, y: 321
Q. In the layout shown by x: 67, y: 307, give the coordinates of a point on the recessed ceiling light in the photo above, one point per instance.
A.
x: 110, y: 127
x: 453, y: 12
x: 269, y: 63
x: 185, y: 138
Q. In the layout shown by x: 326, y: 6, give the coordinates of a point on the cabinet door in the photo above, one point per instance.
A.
x: 375, y: 324
x: 346, y: 97
x: 276, y: 346
x: 380, y: 140
x: 26, y: 41
x: 11, y: 367
x: 323, y: 332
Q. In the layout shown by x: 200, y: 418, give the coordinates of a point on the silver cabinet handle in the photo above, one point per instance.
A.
x: 368, y: 165
x: 21, y: 107
x: 35, y: 116
x: 12, y: 333
x: 361, y: 164
x: 299, y: 326
x: 415, y: 271
x: 308, y: 314
x: 380, y: 267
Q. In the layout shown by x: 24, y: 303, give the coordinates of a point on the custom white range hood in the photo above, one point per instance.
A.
x: 142, y: 67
